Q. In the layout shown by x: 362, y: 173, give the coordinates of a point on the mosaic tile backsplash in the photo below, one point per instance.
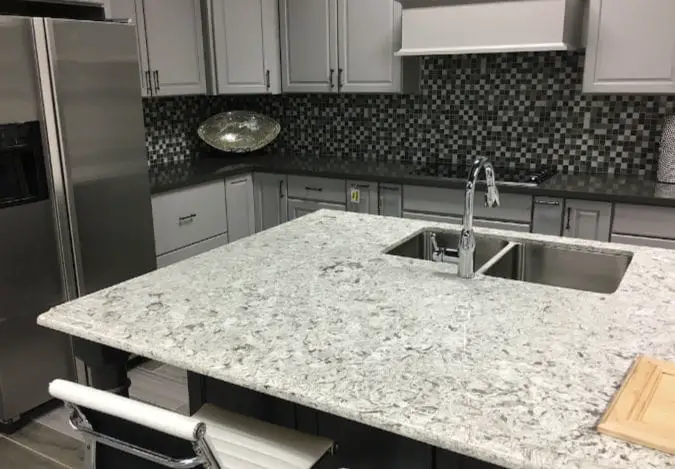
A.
x: 525, y: 109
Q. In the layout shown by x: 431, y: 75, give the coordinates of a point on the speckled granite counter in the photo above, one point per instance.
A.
x: 313, y: 312
x: 625, y: 189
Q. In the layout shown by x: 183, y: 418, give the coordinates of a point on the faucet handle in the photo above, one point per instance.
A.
x: 492, y: 196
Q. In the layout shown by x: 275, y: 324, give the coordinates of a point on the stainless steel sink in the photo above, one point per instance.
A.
x: 421, y: 246
x: 593, y: 271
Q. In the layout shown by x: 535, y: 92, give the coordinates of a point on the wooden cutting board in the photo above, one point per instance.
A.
x: 643, y: 410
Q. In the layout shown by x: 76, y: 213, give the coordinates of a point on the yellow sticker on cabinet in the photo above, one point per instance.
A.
x: 355, y: 195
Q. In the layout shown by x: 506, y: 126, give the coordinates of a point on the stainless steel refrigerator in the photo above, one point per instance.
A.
x: 75, y: 213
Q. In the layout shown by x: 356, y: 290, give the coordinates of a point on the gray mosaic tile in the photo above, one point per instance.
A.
x: 525, y: 109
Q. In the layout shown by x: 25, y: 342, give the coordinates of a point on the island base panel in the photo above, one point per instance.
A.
x: 358, y: 445
x: 106, y: 367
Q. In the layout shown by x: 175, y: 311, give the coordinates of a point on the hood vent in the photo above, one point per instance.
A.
x: 443, y: 27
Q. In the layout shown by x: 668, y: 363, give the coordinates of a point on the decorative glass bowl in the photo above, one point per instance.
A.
x: 239, y: 131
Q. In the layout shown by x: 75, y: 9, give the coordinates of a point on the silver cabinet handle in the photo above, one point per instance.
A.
x: 554, y: 203
x: 268, y: 80
x: 156, y: 74
x: 340, y: 78
x: 314, y: 189
x: 330, y: 78
x: 569, y: 216
x: 148, y: 82
x: 186, y: 220
x: 281, y: 190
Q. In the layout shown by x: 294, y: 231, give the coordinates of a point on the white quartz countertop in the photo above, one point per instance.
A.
x: 313, y: 312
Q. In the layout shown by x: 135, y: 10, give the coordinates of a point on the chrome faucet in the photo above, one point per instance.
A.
x: 467, y: 240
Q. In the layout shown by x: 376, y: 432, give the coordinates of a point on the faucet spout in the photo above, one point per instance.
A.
x: 467, y: 240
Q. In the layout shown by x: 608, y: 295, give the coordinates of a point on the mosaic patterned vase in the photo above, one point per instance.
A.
x: 666, y: 171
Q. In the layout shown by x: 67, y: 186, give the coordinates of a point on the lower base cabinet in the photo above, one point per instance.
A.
x: 270, y: 194
x: 240, y: 207
x: 190, y: 251
x: 298, y: 208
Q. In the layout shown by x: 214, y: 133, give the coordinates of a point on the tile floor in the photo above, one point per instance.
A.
x: 49, y: 443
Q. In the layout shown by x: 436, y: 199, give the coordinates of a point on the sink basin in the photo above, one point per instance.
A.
x: 593, y: 271
x: 420, y: 247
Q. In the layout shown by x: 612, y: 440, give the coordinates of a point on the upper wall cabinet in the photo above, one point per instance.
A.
x: 170, y: 44
x: 631, y: 47
x: 243, y: 46
x: 330, y: 46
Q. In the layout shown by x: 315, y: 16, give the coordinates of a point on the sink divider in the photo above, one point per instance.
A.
x: 497, y: 257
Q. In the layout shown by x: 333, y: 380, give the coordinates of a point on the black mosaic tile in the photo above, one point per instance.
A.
x: 523, y: 109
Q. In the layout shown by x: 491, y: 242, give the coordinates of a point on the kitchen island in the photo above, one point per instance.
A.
x: 314, y: 313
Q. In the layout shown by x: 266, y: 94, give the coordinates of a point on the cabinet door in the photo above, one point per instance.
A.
x: 240, y: 211
x: 362, y: 197
x: 246, y: 46
x: 271, y: 208
x: 586, y: 219
x: 309, y: 46
x: 369, y: 32
x: 175, y: 47
x: 298, y: 208
x: 391, y: 200
x: 631, y: 47
x: 133, y: 10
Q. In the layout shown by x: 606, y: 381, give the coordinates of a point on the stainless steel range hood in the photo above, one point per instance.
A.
x: 442, y: 27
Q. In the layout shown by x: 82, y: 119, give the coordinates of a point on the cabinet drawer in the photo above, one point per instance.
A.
x: 513, y: 207
x: 313, y: 188
x: 644, y: 220
x: 477, y: 222
x: 190, y: 251
x: 642, y: 241
x: 188, y: 216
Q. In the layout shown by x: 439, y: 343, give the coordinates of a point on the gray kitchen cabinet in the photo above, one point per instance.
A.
x: 644, y: 241
x: 188, y: 216
x: 330, y: 46
x: 242, y: 42
x: 585, y: 219
x: 369, y: 32
x: 271, y: 206
x: 191, y: 250
x: 298, y: 208
x: 631, y: 47
x: 172, y: 33
x: 391, y: 200
x: 133, y: 10
x: 308, y: 45
x: 514, y: 209
x: 477, y: 222
x: 361, y: 446
x: 240, y: 207
x: 362, y: 197
x: 643, y: 225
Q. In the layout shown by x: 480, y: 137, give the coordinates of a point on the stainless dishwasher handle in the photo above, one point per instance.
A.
x: 554, y: 203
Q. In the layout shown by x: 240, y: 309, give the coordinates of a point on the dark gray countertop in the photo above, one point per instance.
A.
x: 627, y: 189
